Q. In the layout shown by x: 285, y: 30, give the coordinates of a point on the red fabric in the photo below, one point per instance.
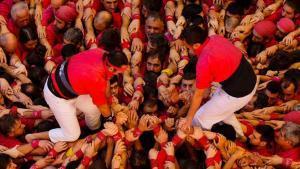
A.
x: 286, y: 25
x: 48, y: 16
x: 9, y: 142
x: 264, y: 152
x: 67, y: 13
x: 250, y: 128
x: 87, y: 75
x: 265, y: 28
x: 275, y: 16
x: 57, y: 58
x: 53, y: 36
x: 28, y: 122
x: 218, y: 59
x: 5, y: 7
x: 117, y: 20
x: 293, y: 116
x: 46, y: 3
x: 161, y: 158
x: 13, y: 28
x: 294, y: 154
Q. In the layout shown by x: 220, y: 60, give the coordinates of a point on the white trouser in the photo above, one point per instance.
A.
x: 65, y: 114
x: 221, y: 107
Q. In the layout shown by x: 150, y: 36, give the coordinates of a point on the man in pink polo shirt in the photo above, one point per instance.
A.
x: 218, y: 61
x: 82, y: 83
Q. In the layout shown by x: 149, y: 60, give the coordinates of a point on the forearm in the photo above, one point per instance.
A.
x: 104, y: 110
x: 229, y: 164
x: 196, y: 102
x: 108, y: 156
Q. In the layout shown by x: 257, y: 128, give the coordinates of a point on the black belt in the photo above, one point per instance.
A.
x: 61, y: 83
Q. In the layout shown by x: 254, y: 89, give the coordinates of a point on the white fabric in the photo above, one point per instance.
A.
x: 221, y: 107
x: 65, y: 114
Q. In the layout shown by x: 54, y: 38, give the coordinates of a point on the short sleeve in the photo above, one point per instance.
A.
x: 204, y: 76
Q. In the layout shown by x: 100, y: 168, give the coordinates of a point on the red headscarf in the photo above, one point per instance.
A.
x: 67, y: 13
x: 286, y: 25
x: 265, y: 28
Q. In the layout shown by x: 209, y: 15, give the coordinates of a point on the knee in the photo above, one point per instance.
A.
x: 72, y: 136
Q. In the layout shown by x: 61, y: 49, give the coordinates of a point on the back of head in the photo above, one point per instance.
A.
x: 294, y: 4
x: 261, y: 101
x: 235, y: 8
x: 267, y: 133
x: 69, y: 50
x: 194, y: 34
x: 273, y: 87
x: 152, y: 5
x: 18, y: 7
x: 224, y: 129
x: 292, y: 132
x: 117, y: 58
x: 190, y: 11
x: 110, y: 39
x: 74, y: 36
x: 5, y: 160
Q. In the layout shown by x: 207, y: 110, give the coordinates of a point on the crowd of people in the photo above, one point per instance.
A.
x: 149, y: 84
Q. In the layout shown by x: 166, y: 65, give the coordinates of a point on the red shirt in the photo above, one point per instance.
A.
x: 9, y: 142
x: 218, y: 59
x: 48, y: 16
x: 5, y: 7
x: 13, y: 28
x: 293, y: 154
x: 275, y: 17
x: 87, y: 75
x: 53, y: 36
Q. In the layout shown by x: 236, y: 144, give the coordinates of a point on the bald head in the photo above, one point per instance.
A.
x: 103, y: 20
x: 20, y: 14
x: 8, y: 42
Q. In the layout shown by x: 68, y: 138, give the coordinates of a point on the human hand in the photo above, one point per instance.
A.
x: 91, y: 149
x: 110, y: 129
x: 137, y: 45
x: 134, y: 26
x: 45, y: 145
x: 5, y: 87
x: 170, y: 122
x: 197, y: 134
x: 153, y: 154
x: 134, y: 105
x: 171, y: 27
x: 121, y: 118
x: 273, y: 160
x: 128, y: 88
x: 44, y: 162
x: 162, y: 136
x: 3, y: 148
x: 129, y: 135
x: 132, y: 119
x: 120, y: 147
x: 60, y: 146
x: 169, y: 148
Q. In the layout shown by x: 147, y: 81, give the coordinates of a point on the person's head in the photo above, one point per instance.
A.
x: 36, y: 57
x: 45, y: 125
x: 73, y: 36
x: 158, y: 43
x: 116, y: 62
x: 6, y: 162
x: 194, y: 36
x: 11, y: 126
x: 232, y: 16
x: 28, y: 37
x: 284, y: 26
x: 272, y: 91
x: 102, y: 20
x: 188, y: 82
x: 289, y: 87
x: 110, y: 5
x: 154, y: 62
x: 20, y: 14
x: 190, y: 11
x: 263, y: 31
x: 8, y: 42
x: 138, y: 160
x: 65, y: 16
x: 114, y: 86
x: 150, y: 6
x: 262, y: 136
x: 290, y: 9
x: 150, y: 106
x: 154, y: 24
x: 224, y: 129
x: 288, y: 136
x: 110, y: 40
x: 282, y: 60
x: 69, y: 50
x: 57, y: 3
x: 37, y: 75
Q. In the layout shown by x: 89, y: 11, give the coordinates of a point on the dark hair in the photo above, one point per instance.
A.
x: 73, y: 164
x: 37, y: 75
x: 189, y: 76
x: 150, y: 92
x: 138, y: 159
x: 98, y: 164
x: 69, y: 50
x: 6, y: 124
x: 293, y: 73
x: 155, y: 54
x: 5, y: 160
x: 283, y: 60
x: 113, y: 79
x: 294, y: 4
x: 152, y: 5
x: 254, y: 48
x: 235, y: 8
x: 224, y: 129
x: 191, y: 66
x: 45, y: 125
x: 273, y: 87
x: 6, y: 76
x: 150, y: 78
x: 194, y: 34
x: 286, y: 82
x: 110, y: 39
x: 162, y: 45
x: 191, y: 10
x: 36, y: 57
x: 27, y: 33
x: 261, y: 101
x: 74, y: 36
x: 150, y: 102
x: 117, y: 58
x: 197, y: 21
x: 267, y: 133
x: 30, y: 90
